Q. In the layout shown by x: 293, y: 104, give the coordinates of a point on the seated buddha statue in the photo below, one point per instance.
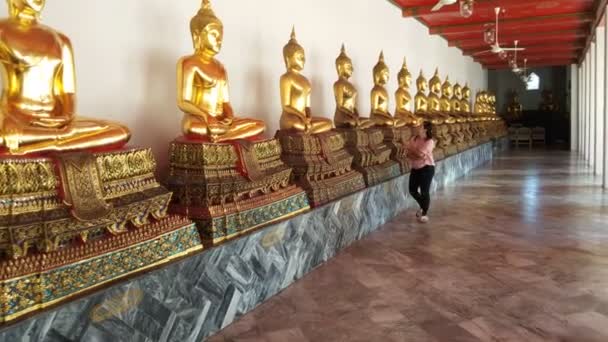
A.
x: 445, y: 101
x: 39, y: 95
x: 379, y: 97
x: 492, y: 103
x: 435, y: 93
x: 422, y: 102
x: 514, y: 108
x: 403, y: 98
x: 456, y: 100
x: 347, y: 115
x: 465, y: 105
x: 202, y: 92
x: 479, y: 106
x: 295, y: 93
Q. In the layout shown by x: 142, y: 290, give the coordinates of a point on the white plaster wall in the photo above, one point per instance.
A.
x: 126, y: 53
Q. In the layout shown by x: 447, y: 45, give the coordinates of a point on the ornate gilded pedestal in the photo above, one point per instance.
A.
x: 372, y: 157
x: 451, y: 131
x: 321, y: 164
x: 397, y: 139
x: 74, y: 221
x: 229, y: 189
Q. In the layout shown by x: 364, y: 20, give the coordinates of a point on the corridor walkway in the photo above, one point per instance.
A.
x: 517, y: 251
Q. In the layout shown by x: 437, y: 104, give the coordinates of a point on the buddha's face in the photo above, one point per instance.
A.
x: 381, y: 77
x: 458, y: 92
x: 345, y: 69
x: 466, y: 94
x: 296, y: 60
x: 422, y: 86
x: 404, y: 80
x: 447, y: 91
x: 436, y: 88
x: 31, y: 7
x: 209, y: 39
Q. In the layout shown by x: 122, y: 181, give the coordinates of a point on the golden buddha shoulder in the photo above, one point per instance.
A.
x: 345, y: 94
x: 202, y: 86
x: 295, y: 93
x: 379, y: 97
x: 39, y: 96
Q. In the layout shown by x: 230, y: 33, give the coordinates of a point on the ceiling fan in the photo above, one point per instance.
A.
x: 496, y: 48
x: 466, y: 6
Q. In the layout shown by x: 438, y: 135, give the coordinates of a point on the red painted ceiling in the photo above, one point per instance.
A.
x: 554, y: 32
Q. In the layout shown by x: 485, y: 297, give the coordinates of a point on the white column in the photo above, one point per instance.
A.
x: 573, y: 107
x: 598, y: 114
x: 581, y: 106
x: 593, y: 117
x: 598, y: 122
x: 585, y: 102
x: 590, y: 98
x: 605, y: 113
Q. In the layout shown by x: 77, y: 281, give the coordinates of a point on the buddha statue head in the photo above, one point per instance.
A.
x: 25, y: 9
x: 457, y: 91
x: 404, y: 78
x: 293, y: 54
x: 421, y: 83
x: 435, y: 84
x: 466, y: 92
x: 381, y: 71
x: 446, y: 88
x: 344, y: 65
x: 207, y: 31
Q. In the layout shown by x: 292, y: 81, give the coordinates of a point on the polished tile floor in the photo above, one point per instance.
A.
x: 517, y: 251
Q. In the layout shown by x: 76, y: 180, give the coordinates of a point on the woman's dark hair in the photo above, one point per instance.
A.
x: 428, y: 127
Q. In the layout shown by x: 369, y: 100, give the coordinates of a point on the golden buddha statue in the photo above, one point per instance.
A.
x: 345, y: 93
x: 514, y: 108
x: 421, y: 100
x: 479, y: 106
x: 403, y: 98
x: 202, y: 86
x: 379, y: 97
x: 465, y: 105
x: 435, y: 93
x: 295, y: 93
x: 446, y: 96
x: 456, y: 100
x: 39, y: 95
x: 492, y: 103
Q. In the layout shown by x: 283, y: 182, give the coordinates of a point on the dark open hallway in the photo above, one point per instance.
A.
x: 514, y: 252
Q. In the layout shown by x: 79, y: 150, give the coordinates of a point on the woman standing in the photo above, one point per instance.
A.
x: 420, y: 154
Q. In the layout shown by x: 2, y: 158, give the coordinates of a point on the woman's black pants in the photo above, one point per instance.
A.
x: 421, y: 179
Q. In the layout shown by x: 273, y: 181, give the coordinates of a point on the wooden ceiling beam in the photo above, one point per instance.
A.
x: 505, y: 23
x: 551, y: 47
x: 510, y: 37
x: 547, y: 63
x: 426, y: 10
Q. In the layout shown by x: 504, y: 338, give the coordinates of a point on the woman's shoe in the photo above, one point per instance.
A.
x: 419, y: 213
x: 423, y: 219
